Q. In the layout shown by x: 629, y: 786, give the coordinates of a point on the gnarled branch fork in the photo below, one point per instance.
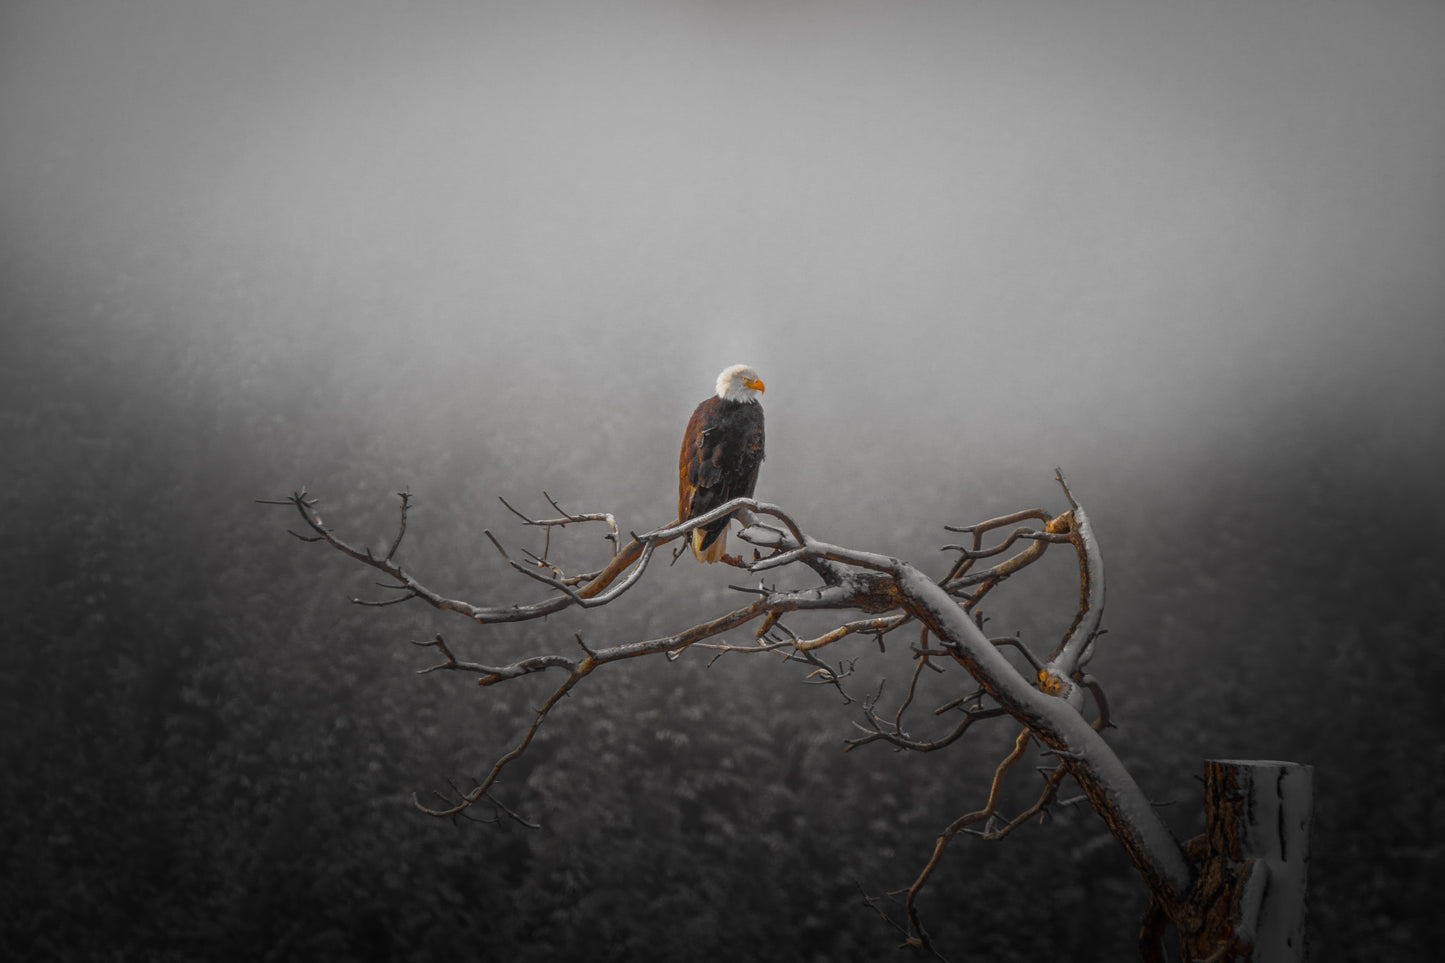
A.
x: 1055, y: 704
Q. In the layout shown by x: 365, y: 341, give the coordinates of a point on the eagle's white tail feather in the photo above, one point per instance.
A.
x: 714, y: 551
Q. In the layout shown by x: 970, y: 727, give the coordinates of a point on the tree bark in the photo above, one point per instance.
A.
x: 1248, y: 902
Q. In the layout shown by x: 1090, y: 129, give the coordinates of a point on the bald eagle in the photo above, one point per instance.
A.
x: 721, y: 452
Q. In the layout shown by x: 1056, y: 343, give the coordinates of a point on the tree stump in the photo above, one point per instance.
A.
x: 1248, y: 902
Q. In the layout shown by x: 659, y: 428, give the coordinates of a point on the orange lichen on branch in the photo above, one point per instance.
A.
x: 1053, y: 684
x: 1060, y: 524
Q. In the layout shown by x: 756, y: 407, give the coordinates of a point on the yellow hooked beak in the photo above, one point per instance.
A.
x: 755, y: 384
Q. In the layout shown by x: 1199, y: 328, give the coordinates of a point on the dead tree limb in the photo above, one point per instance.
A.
x: 1056, y: 704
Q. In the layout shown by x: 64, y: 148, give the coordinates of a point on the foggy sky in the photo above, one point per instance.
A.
x: 1147, y: 228
x: 1193, y: 251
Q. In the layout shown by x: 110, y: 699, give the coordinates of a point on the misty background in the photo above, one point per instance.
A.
x: 1193, y: 253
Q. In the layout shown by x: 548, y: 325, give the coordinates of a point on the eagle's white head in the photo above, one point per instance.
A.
x: 739, y: 383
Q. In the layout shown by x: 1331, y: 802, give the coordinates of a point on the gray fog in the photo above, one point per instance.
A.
x: 1006, y: 233
x: 1191, y: 252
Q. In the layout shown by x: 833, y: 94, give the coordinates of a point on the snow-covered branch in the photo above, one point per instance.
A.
x: 1056, y: 705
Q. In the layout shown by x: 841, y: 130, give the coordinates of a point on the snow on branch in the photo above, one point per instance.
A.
x: 1055, y: 704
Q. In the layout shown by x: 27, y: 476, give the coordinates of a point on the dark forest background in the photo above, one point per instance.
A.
x: 1193, y: 261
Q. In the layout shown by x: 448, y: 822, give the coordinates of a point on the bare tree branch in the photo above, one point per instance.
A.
x: 1048, y: 702
x: 405, y: 497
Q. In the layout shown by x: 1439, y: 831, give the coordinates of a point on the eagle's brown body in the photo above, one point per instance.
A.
x: 721, y: 452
